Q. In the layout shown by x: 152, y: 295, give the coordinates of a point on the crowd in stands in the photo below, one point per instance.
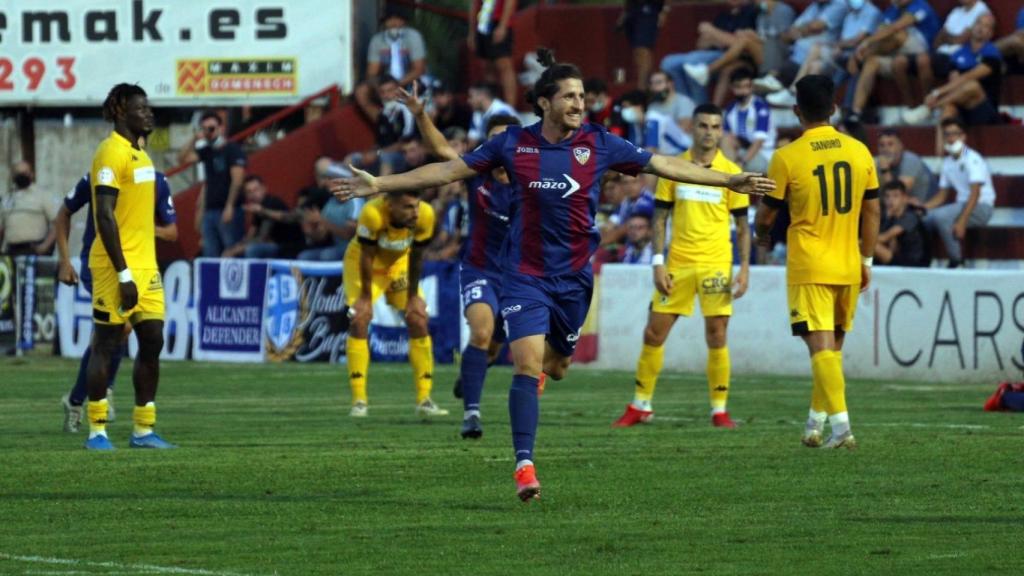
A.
x: 948, y: 72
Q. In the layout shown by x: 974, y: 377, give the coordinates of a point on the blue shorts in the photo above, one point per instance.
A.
x: 556, y: 306
x: 483, y: 287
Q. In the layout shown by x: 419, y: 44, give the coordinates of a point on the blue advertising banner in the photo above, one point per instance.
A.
x: 230, y: 296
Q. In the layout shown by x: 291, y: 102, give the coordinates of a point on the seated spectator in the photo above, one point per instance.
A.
x: 641, y: 20
x: 713, y: 39
x: 862, y: 18
x: 819, y: 23
x: 453, y: 225
x: 639, y: 249
x: 966, y: 176
x: 749, y: 131
x: 485, y: 103
x: 895, y: 163
x: 907, y: 30
x: 397, y: 51
x: 597, y: 101
x: 447, y: 111
x: 901, y: 240
x: 394, y: 123
x: 27, y: 215
x: 652, y: 130
x: 636, y: 197
x: 662, y: 98
x: 957, y: 28
x: 270, y: 234
x: 1012, y: 45
x: 331, y: 225
x: 974, y: 85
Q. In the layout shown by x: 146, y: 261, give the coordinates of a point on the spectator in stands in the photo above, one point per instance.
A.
x: 453, y: 224
x: 447, y: 111
x: 639, y: 249
x: 457, y: 139
x: 973, y: 89
x: 907, y: 30
x: 895, y: 163
x: 749, y: 131
x: 27, y: 215
x: 861, y: 20
x: 957, y: 28
x: 219, y: 219
x: 662, y: 98
x: 819, y: 23
x: 689, y: 70
x: 330, y: 225
x: 597, y: 101
x: 901, y: 240
x: 490, y: 37
x: 485, y: 103
x: 652, y: 130
x: 397, y: 51
x: 966, y: 176
x: 394, y: 124
x: 641, y: 20
x: 270, y: 234
x: 636, y: 197
x: 1012, y: 45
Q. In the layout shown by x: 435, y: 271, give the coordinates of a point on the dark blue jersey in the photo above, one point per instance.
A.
x: 555, y: 192
x: 488, y: 222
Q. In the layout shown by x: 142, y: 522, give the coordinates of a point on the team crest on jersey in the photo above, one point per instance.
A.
x: 581, y: 154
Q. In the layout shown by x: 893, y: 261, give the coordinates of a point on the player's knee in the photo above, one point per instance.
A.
x: 654, y: 336
x: 480, y: 336
x: 151, y: 344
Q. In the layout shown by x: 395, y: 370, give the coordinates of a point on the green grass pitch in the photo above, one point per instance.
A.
x: 273, y: 477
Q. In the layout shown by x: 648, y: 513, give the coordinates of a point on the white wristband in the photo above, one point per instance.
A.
x: 124, y: 276
x: 867, y: 260
x: 658, y: 260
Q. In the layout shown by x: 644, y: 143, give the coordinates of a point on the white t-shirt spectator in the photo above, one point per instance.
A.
x: 678, y: 107
x: 970, y: 168
x: 960, y: 20
x: 663, y: 134
x: 396, y: 50
x: 498, y: 107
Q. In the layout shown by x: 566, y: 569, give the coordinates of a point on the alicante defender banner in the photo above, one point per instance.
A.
x: 195, y: 52
x: 912, y: 324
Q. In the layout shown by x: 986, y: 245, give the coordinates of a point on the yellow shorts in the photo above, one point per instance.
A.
x: 712, y: 283
x: 822, y: 307
x: 106, y: 297
x: 392, y: 282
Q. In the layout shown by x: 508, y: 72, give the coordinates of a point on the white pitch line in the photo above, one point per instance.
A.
x: 150, y: 568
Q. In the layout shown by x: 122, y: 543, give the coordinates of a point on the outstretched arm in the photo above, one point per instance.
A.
x: 681, y: 170
x: 428, y: 176
x: 434, y: 141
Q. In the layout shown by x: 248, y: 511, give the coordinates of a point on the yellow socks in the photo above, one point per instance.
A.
x: 144, y: 418
x: 421, y: 356
x: 829, y: 393
x: 648, y: 367
x: 718, y: 377
x: 97, y: 412
x: 358, y: 352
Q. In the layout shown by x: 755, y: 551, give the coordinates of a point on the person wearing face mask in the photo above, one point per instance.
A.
x: 974, y: 85
x: 219, y: 216
x: 597, y: 101
x: 966, y: 176
x: 26, y: 216
x: 663, y: 99
x: 397, y: 50
x: 653, y: 130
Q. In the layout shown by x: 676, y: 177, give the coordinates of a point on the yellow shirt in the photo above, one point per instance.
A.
x: 119, y: 165
x: 700, y: 216
x: 374, y: 227
x: 824, y: 176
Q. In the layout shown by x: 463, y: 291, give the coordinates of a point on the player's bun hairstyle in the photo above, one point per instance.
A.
x: 547, y: 85
x: 815, y: 97
x: 501, y: 120
x: 117, y: 100
x: 709, y: 109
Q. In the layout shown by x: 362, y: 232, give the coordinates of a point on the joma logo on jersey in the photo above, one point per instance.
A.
x: 569, y: 185
x: 527, y: 150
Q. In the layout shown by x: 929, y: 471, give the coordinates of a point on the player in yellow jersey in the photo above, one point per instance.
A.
x: 387, y: 260
x: 829, y: 183
x: 699, y: 266
x: 127, y: 290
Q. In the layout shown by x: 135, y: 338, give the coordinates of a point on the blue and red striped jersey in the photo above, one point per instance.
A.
x: 488, y: 222
x: 555, y: 192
